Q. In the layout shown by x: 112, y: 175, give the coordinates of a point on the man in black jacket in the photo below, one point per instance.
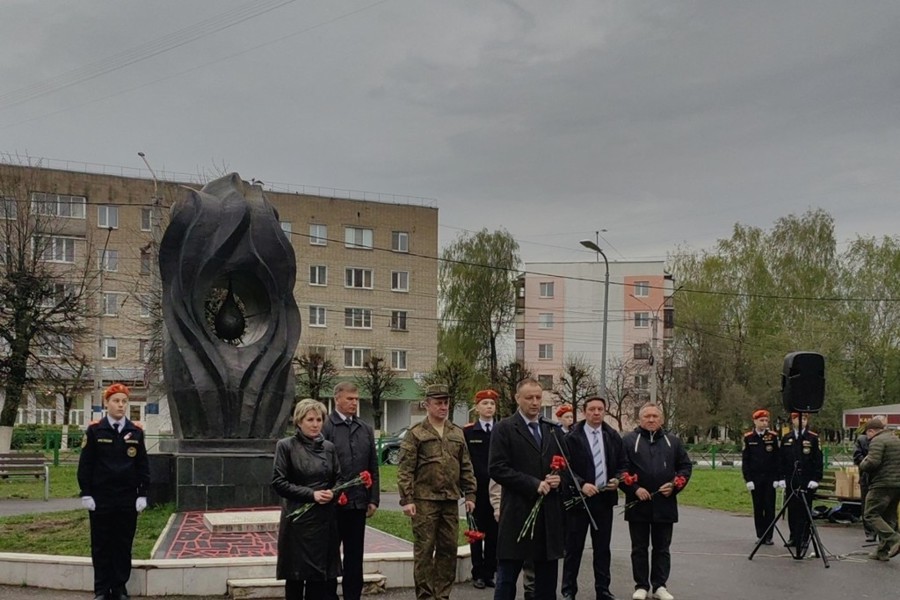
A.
x: 354, y: 441
x: 596, y: 458
x: 802, y: 468
x: 113, y: 474
x: 759, y: 465
x: 522, y: 449
x: 662, y: 468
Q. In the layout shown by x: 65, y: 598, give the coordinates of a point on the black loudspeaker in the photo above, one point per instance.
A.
x: 803, y: 382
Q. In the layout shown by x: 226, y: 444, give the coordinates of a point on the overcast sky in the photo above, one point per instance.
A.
x: 662, y: 122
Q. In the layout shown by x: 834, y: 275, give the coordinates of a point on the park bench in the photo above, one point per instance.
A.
x: 26, y: 465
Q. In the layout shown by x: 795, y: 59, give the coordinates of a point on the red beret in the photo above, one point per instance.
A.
x: 486, y: 395
x: 565, y: 408
x: 795, y: 415
x: 116, y: 388
x: 759, y: 414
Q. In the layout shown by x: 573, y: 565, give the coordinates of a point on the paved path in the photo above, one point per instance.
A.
x: 9, y: 508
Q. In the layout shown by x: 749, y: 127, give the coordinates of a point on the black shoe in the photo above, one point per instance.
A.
x: 568, y: 597
x: 606, y: 596
x: 871, y: 538
x: 790, y: 543
x: 768, y: 542
x: 478, y: 584
x: 489, y: 583
x: 100, y: 597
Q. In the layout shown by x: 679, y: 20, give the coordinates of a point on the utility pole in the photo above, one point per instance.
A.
x: 591, y: 245
x: 654, y: 362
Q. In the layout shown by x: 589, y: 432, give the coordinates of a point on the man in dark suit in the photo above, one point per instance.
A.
x: 113, y: 474
x: 354, y: 441
x: 522, y: 449
x: 478, y: 439
x: 596, y: 457
x: 760, y: 467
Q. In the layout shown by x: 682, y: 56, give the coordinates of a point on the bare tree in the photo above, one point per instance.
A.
x: 621, y: 394
x: 457, y: 375
x: 45, y: 278
x: 509, y: 377
x: 378, y: 381
x: 315, y: 374
x: 577, y: 382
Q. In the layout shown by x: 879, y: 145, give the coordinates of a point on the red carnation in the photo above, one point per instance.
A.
x: 342, y: 499
x: 630, y: 479
x: 366, y: 479
x: 558, y: 463
x: 680, y: 481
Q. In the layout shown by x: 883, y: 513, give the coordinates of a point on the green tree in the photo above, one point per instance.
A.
x: 378, y: 382
x: 477, y: 278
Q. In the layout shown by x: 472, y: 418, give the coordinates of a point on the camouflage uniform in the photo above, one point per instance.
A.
x: 434, y: 473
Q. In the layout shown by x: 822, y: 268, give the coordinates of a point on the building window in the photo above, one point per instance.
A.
x: 9, y: 208
x: 108, y: 216
x: 545, y: 321
x: 358, y: 278
x: 399, y: 281
x: 110, y: 304
x: 144, y: 351
x: 398, y: 320
x: 108, y: 260
x: 59, y: 294
x: 54, y: 248
x: 641, y: 351
x: 546, y: 289
x: 318, y: 235
x: 317, y: 316
x: 400, y: 241
x: 58, y: 205
x: 354, y: 237
x: 146, y: 219
x: 546, y: 381
x: 146, y: 304
x: 355, y: 358
x: 358, y: 318
x: 641, y: 381
x: 110, y: 348
x: 520, y: 350
x: 642, y: 319
x: 53, y: 346
x: 545, y: 351
x: 146, y: 261
x: 398, y: 360
x: 641, y: 289
x: 318, y: 275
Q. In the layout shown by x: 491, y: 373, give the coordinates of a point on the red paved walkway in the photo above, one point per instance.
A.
x: 188, y: 537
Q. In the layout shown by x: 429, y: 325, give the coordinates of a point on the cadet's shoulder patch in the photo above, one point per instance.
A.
x: 814, y: 434
x: 748, y: 433
x: 84, y: 440
x: 468, y: 425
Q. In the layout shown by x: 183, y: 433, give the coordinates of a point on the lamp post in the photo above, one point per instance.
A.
x: 592, y: 245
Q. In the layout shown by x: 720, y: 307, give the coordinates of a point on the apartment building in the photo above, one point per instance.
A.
x: 366, y: 281
x: 560, y: 312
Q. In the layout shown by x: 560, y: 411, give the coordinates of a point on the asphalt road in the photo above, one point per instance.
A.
x: 709, y: 561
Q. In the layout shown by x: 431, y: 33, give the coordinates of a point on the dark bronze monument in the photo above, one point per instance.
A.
x: 232, y: 326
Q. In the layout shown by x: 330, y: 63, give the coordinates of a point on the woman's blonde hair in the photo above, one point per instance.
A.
x: 306, y: 405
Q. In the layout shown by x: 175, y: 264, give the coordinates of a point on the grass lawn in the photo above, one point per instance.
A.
x: 388, y: 478
x: 63, y: 484
x: 719, y: 489
x: 399, y: 525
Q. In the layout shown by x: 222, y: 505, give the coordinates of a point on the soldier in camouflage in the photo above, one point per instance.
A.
x: 435, y: 471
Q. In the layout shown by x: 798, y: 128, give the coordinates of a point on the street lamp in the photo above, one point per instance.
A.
x: 591, y: 245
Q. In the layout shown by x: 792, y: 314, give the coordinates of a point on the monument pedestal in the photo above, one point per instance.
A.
x: 218, y: 474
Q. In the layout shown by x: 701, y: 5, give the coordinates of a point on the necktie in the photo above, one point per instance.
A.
x: 535, y: 431
x: 597, y: 451
x: 116, y: 427
x: 487, y: 427
x: 349, y: 420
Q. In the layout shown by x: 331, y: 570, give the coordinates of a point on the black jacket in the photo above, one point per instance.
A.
x: 581, y: 459
x: 479, y: 443
x: 801, y: 459
x: 113, y: 467
x: 309, y: 546
x: 518, y: 464
x: 759, y: 458
x: 656, y: 458
x: 355, y: 445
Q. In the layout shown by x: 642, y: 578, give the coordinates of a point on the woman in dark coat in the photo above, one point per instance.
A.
x: 306, y: 468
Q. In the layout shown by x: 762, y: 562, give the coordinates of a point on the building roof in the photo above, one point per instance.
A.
x: 870, y: 410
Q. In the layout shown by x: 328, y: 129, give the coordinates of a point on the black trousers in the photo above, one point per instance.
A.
x: 484, y: 553
x: 310, y: 590
x: 798, y: 519
x: 763, y: 507
x: 578, y: 526
x: 112, y: 534
x: 546, y: 573
x: 352, y: 532
x: 652, y: 572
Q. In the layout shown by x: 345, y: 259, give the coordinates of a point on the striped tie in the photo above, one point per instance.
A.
x: 597, y: 450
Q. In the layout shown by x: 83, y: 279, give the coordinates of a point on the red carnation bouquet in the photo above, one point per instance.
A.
x: 557, y: 464
x: 472, y: 534
x: 679, y: 482
x: 363, y: 479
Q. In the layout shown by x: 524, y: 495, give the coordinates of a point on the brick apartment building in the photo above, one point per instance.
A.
x: 366, y: 280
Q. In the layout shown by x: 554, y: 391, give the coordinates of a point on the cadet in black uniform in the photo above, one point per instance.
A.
x: 801, y: 467
x: 114, y: 474
x: 759, y: 464
x: 478, y: 439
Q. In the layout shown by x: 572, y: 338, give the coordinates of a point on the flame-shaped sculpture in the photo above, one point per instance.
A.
x: 232, y: 324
